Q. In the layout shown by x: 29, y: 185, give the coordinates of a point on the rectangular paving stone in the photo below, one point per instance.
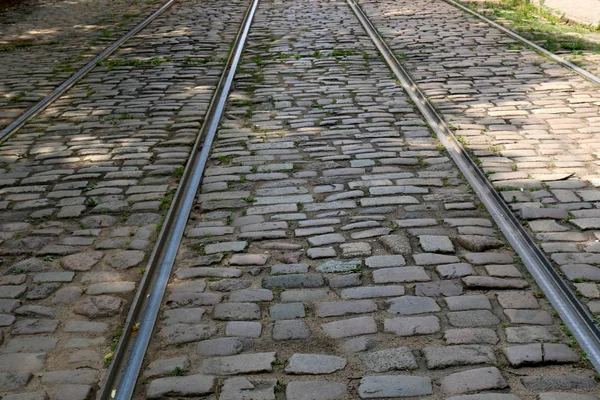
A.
x: 246, y: 329
x: 449, y: 356
x: 432, y: 259
x: 400, y: 274
x: 471, y: 336
x: 368, y: 292
x: 287, y: 311
x: 458, y: 270
x: 393, y: 386
x: 410, y: 326
x: 470, y: 319
x: 293, y: 281
x: 239, y: 364
x: 473, y: 381
x: 528, y: 334
x: 338, y: 308
x: 473, y: 302
x: 557, y: 382
x: 489, y: 258
x: 350, y: 327
x: 517, y: 299
x: 399, y: 358
x: 533, y: 317
x: 191, y: 385
x: 385, y: 261
x: 305, y: 390
x: 291, y: 330
x: 314, y: 364
x: 22, y: 362
x: 487, y: 282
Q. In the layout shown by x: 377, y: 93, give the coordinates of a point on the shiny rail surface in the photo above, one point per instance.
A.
x: 83, y: 71
x: 122, y: 375
x: 570, y: 309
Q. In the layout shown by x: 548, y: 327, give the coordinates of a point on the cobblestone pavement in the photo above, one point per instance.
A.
x: 43, y: 42
x: 83, y: 190
x: 336, y: 253
x: 534, y: 126
x: 587, y: 59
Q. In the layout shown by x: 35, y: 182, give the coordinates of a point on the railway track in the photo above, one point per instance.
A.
x: 44, y: 42
x: 32, y: 112
x: 331, y: 159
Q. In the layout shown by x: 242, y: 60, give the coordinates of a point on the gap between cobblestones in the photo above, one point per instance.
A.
x: 291, y: 279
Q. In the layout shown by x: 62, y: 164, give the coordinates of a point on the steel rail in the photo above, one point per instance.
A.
x: 570, y: 309
x: 129, y: 355
x: 586, y: 74
x: 83, y: 71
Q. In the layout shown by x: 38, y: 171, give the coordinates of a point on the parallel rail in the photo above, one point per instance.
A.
x: 83, y: 71
x: 123, y: 372
x: 570, y: 309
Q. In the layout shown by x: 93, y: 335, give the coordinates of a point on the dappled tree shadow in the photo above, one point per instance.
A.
x: 43, y: 42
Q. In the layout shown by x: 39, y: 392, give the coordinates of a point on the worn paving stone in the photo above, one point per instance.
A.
x: 73, y: 391
x: 409, y: 326
x: 239, y: 364
x: 566, y: 396
x: 166, y: 366
x: 476, y: 318
x: 436, y: 244
x: 125, y: 259
x: 373, y: 387
x: 10, y: 381
x: 350, y: 327
x: 527, y: 334
x: 367, y: 292
x: 400, y: 358
x: 222, y: 346
x: 99, y: 306
x: 485, y: 282
x: 81, y: 261
x: 287, y: 311
x: 184, y: 333
x: 31, y: 345
x: 473, y: 380
x: 397, y: 244
x: 245, y: 329
x: 533, y: 317
x: 290, y: 330
x: 313, y: 153
x: 307, y: 390
x: 338, y: 308
x: 478, y: 243
x: 438, y: 289
x: 400, y: 274
x: 557, y: 382
x: 314, y: 364
x: 451, y: 271
x: 192, y: 385
x: 339, y: 266
x: 517, y: 299
x: 22, y: 362
x: 238, y: 388
x: 385, y: 261
x: 473, y: 302
x: 236, y: 311
x: 448, y: 356
x: 293, y: 281
x: 408, y: 305
x: 471, y: 336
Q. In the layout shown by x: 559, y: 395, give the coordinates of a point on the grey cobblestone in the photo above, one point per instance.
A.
x: 320, y: 185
